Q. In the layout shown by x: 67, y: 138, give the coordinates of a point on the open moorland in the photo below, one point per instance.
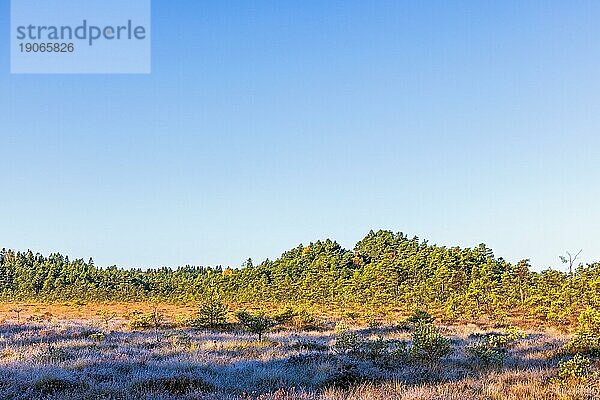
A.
x: 160, y: 352
x: 393, y: 318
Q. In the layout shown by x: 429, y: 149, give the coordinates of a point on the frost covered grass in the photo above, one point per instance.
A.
x: 84, y: 360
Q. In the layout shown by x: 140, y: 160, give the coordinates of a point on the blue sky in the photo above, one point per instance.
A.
x: 267, y: 124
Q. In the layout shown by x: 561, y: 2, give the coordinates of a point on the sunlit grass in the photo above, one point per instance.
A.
x: 82, y: 359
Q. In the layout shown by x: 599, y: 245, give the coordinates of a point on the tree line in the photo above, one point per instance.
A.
x: 384, y: 271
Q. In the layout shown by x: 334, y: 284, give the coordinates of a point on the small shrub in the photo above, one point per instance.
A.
x: 184, y: 321
x: 298, y: 319
x: 381, y: 351
x: 584, y: 343
x: 53, y: 354
x: 97, y: 337
x: 587, y: 337
x: 385, y: 352
x: 491, y: 349
x: 351, y: 315
x: 49, y: 384
x: 589, y: 321
x: 307, y: 345
x: 304, y: 320
x: 420, y: 317
x: 285, y: 315
x: 377, y: 349
x: 486, y: 354
x: 375, y: 317
x: 399, y: 351
x: 429, y: 344
x: 212, y: 314
x: 257, y: 324
x: 347, y: 342
x: 577, y: 368
x: 139, y: 320
x: 107, y: 316
x: 344, y: 377
x: 340, y: 327
x: 509, y: 338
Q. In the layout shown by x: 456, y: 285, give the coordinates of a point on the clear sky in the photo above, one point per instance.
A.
x: 267, y: 124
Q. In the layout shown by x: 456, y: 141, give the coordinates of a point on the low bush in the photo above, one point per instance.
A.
x: 420, y: 317
x: 492, y: 349
x: 347, y: 341
x: 380, y: 351
x: 307, y: 345
x: 184, y: 321
x: 577, y: 368
x: 284, y: 315
x: 507, y: 339
x: 428, y: 344
x: 49, y: 385
x: 257, y: 324
x: 587, y: 337
x: 306, y: 321
x: 140, y: 321
x: 386, y: 352
x: 97, y: 337
x: 353, y: 316
x: 345, y: 376
x: 486, y: 354
x: 53, y: 354
x: 296, y: 318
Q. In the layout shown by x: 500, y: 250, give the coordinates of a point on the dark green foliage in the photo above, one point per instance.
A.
x: 285, y: 315
x: 347, y: 341
x: 385, y: 352
x: 420, y: 317
x: 491, y: 349
x: 428, y: 344
x: 257, y: 324
x: 385, y: 270
x: 587, y: 338
x: 506, y: 339
x: 296, y: 318
x: 212, y: 314
x: 345, y: 376
x: 381, y: 351
x: 305, y: 320
x: 48, y: 385
x: 486, y: 354
x: 584, y: 343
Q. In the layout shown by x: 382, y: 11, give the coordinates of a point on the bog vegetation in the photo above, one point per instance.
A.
x: 384, y: 271
x: 392, y: 318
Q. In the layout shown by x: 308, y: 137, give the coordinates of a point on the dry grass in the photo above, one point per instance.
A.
x: 74, y: 355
